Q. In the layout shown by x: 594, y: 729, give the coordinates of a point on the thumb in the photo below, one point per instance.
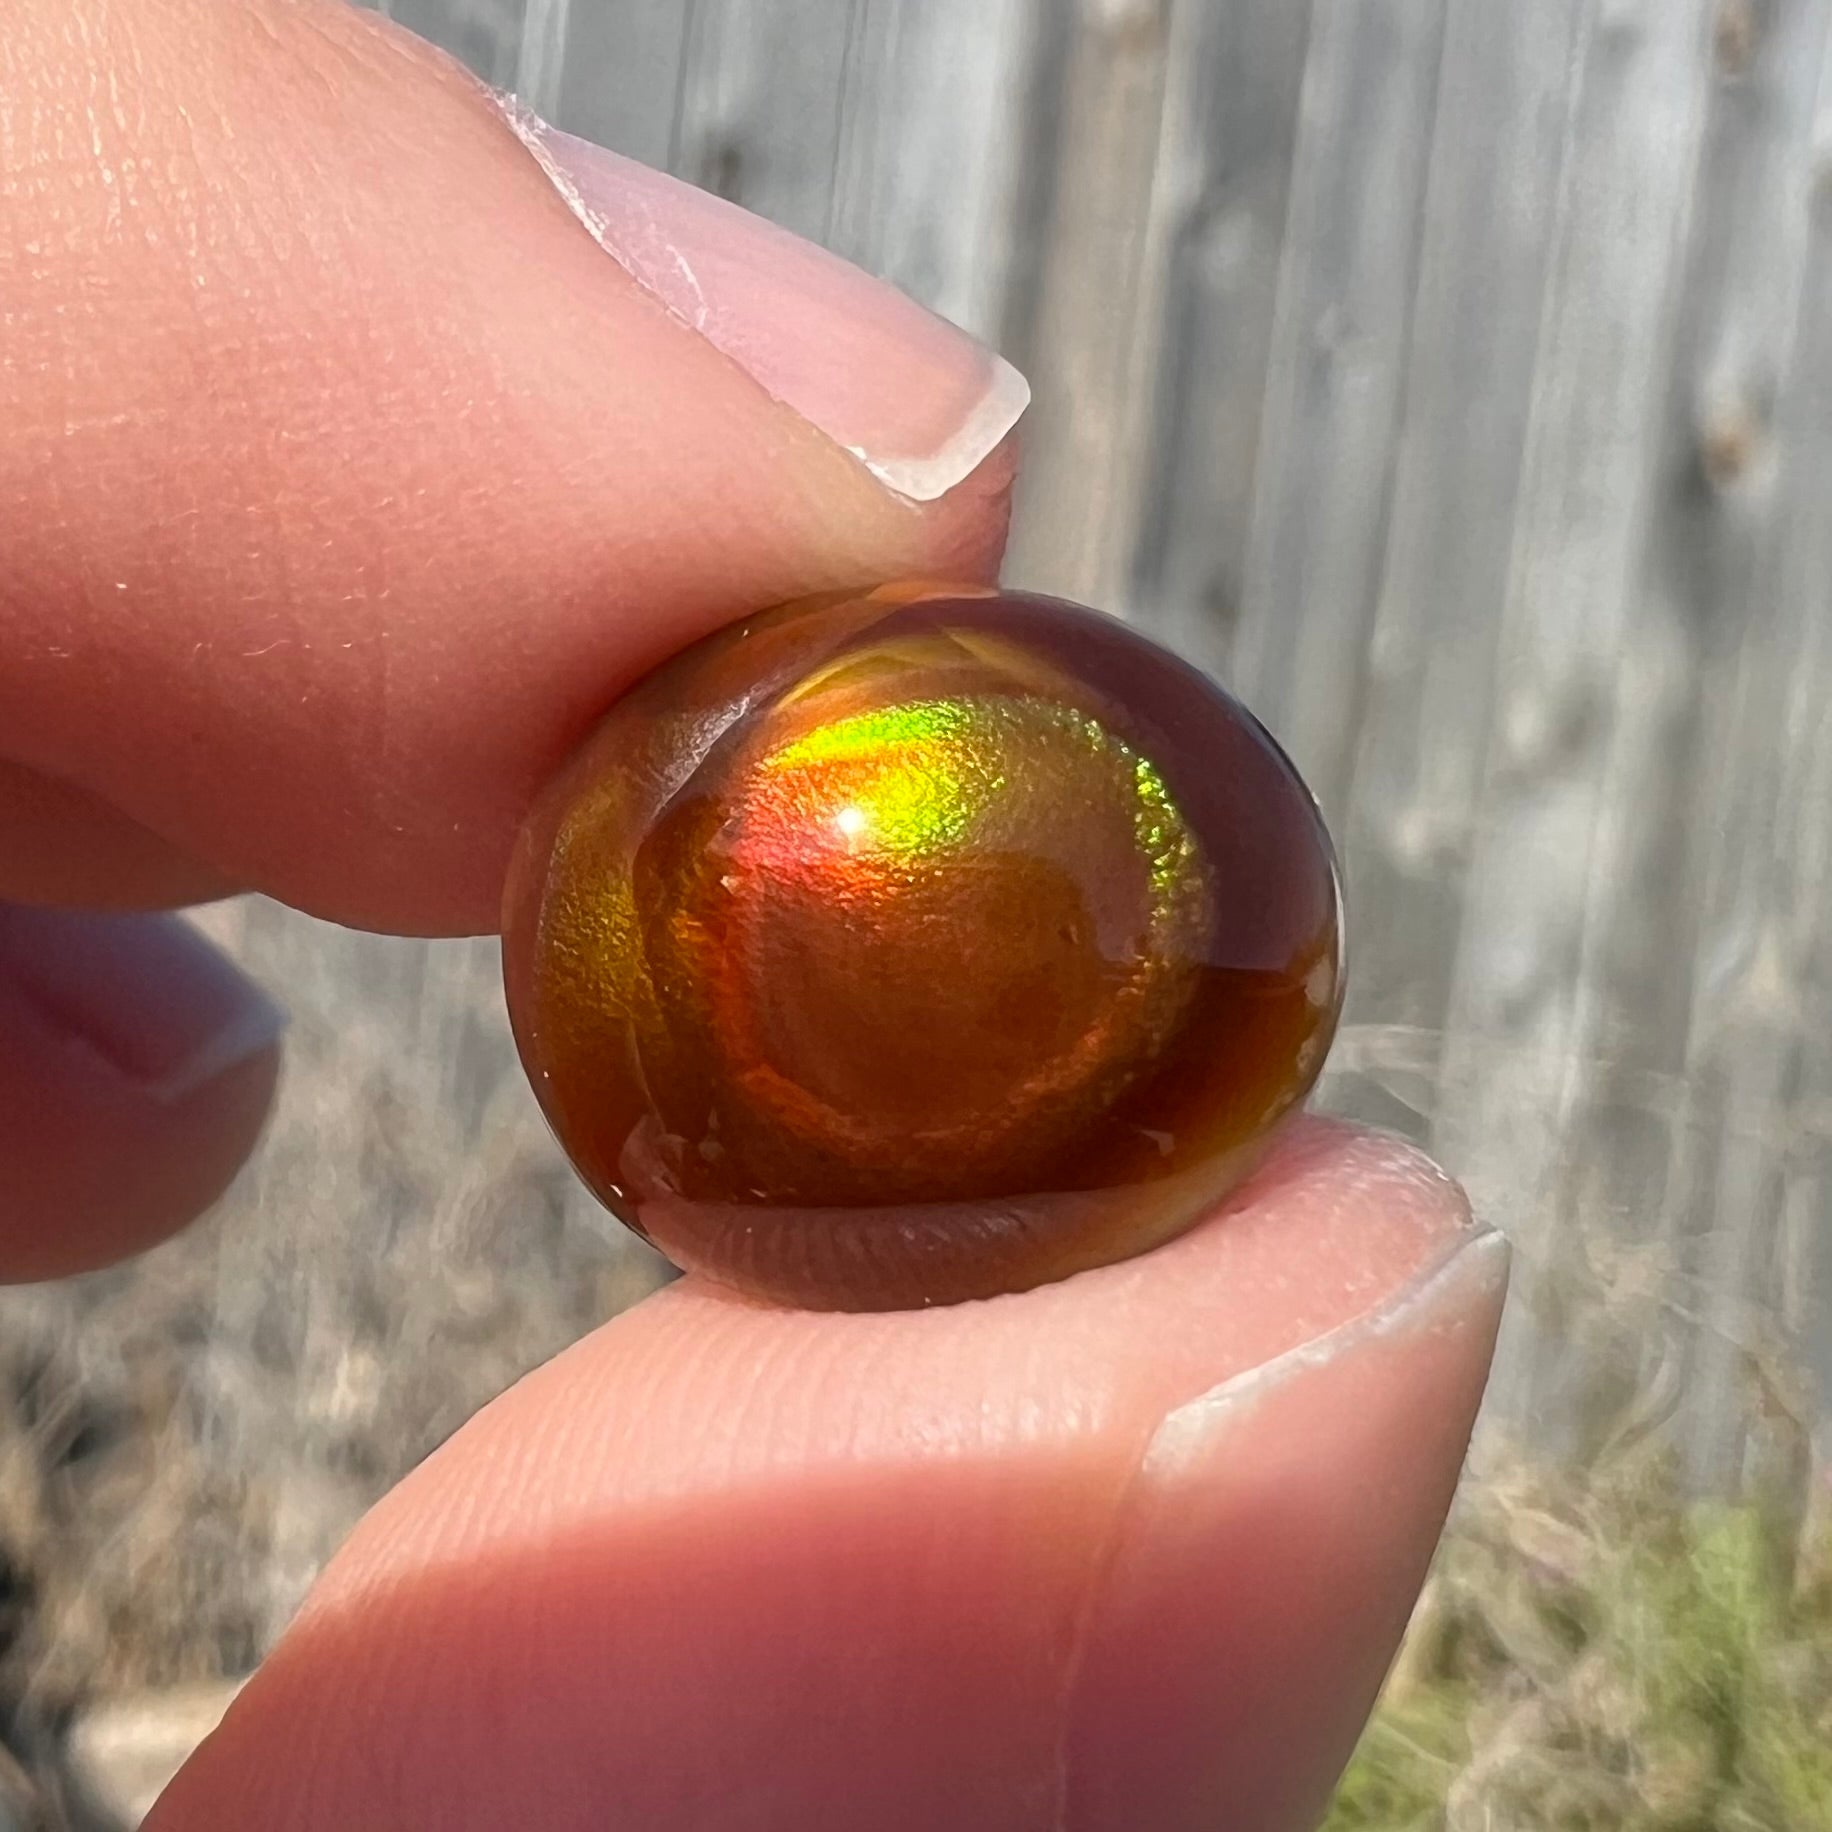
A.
x: 1126, y: 1552
x: 359, y: 444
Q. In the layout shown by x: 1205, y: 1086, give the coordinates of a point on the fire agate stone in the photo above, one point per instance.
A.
x: 922, y: 944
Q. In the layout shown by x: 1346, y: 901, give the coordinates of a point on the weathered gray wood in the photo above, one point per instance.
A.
x: 1747, y: 555
x: 761, y: 105
x: 1490, y: 212
x: 1335, y: 379
x: 1585, y: 662
x: 1453, y: 375
x: 540, y: 58
x: 1085, y: 324
x: 1229, y: 137
x: 878, y: 126
x: 930, y: 159
x: 1803, y: 735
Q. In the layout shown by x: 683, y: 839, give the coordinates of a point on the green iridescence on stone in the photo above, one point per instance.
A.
x: 928, y: 783
x: 928, y: 902
x: 933, y: 779
x: 1163, y: 838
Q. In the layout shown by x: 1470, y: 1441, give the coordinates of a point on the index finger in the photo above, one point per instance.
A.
x: 347, y: 477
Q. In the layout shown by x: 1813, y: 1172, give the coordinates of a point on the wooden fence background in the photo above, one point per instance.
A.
x: 1454, y: 377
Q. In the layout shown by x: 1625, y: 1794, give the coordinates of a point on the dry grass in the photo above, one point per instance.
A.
x: 1610, y: 1657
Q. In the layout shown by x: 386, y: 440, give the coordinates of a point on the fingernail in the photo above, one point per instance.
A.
x: 916, y: 400
x: 1275, y: 1540
x: 146, y: 994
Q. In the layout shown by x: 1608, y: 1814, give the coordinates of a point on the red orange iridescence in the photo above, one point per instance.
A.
x: 919, y: 945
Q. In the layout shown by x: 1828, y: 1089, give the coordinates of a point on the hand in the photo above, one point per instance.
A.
x: 346, y: 479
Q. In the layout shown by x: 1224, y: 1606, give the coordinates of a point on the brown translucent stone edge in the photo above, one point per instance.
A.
x: 1239, y: 792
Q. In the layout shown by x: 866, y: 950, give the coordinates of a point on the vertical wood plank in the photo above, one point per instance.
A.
x: 1804, y: 418
x: 541, y: 55
x: 1094, y: 293
x: 881, y: 128
x: 928, y: 172
x: 763, y: 97
x: 1229, y: 140
x: 1573, y: 729
x: 1336, y: 375
x: 1491, y: 210
x: 607, y: 70
x: 1747, y: 557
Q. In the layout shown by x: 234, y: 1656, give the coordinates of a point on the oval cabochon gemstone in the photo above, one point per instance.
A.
x: 902, y: 947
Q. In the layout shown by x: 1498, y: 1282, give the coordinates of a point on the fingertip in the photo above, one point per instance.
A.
x: 916, y: 400
x: 970, y: 524
x: 137, y: 1068
x: 909, y: 1569
x: 460, y: 478
x: 1267, y: 1561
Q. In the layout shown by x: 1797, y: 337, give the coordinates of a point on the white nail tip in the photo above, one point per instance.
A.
x: 816, y: 334
x: 922, y: 480
x: 1474, y: 1268
x: 256, y: 1027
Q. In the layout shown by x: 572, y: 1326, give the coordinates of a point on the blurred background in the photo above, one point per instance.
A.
x: 1453, y: 378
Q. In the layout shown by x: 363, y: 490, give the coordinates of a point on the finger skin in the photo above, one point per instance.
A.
x: 63, y: 845
x: 1290, y: 1520
x: 346, y: 480
x: 724, y: 1567
x: 132, y: 1085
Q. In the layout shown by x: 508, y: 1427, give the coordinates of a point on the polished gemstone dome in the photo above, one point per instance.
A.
x: 921, y: 944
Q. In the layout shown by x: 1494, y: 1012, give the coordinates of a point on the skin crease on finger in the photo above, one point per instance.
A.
x: 346, y: 479
x: 997, y: 1566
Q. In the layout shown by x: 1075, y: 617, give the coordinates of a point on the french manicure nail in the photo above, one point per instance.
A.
x: 147, y: 995
x: 915, y: 399
x: 1275, y: 1539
